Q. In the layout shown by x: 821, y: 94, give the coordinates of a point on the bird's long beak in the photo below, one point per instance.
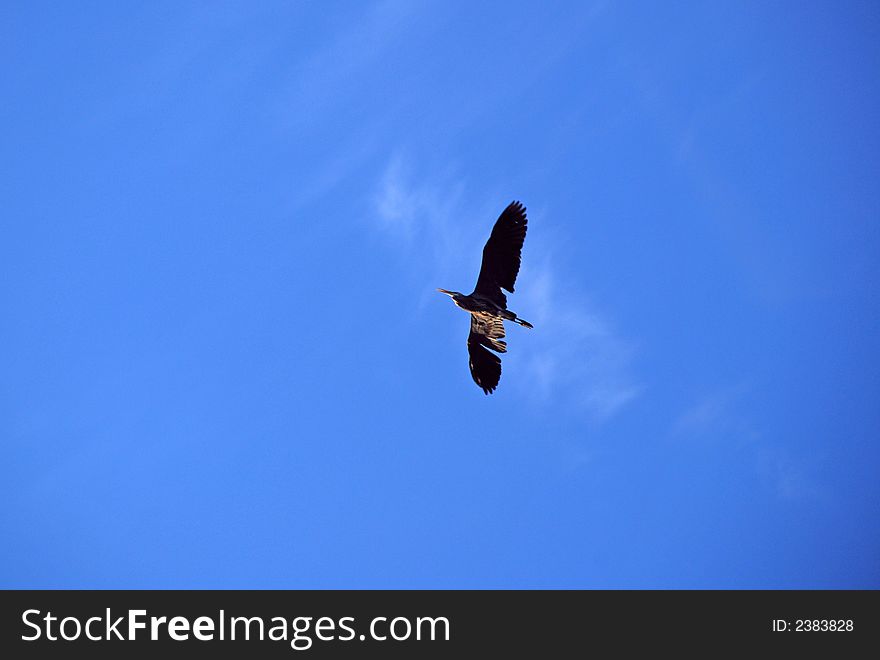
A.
x: 448, y: 293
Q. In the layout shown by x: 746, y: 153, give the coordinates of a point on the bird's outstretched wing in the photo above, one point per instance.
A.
x: 486, y: 332
x: 490, y: 330
x: 501, y: 256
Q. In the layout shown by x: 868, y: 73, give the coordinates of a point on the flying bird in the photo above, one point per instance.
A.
x: 487, y: 305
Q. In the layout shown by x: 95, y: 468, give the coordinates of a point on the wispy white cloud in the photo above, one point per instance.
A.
x: 787, y: 475
x: 314, y: 90
x: 575, y: 357
x: 339, y: 69
x: 721, y: 417
x: 715, y: 415
x: 424, y: 211
x: 578, y: 357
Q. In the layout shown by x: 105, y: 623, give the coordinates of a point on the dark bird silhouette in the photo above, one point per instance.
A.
x: 488, y: 304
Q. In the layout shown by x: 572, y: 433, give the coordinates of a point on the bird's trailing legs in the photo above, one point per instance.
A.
x: 510, y: 316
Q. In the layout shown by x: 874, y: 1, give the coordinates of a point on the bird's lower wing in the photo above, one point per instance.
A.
x: 489, y: 331
x: 486, y: 332
x: 485, y: 365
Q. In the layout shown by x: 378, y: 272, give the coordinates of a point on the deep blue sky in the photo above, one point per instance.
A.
x: 224, y: 362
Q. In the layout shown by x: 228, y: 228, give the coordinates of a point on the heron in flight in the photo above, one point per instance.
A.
x: 488, y: 304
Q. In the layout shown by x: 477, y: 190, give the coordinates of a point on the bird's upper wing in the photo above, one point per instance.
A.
x: 501, y: 256
x: 486, y: 332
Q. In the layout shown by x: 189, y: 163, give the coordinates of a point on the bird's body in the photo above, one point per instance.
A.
x: 487, y: 304
x: 476, y: 304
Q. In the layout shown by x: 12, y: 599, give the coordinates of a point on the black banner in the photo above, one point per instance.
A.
x: 429, y: 623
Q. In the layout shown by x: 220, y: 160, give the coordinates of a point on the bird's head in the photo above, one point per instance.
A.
x: 452, y: 294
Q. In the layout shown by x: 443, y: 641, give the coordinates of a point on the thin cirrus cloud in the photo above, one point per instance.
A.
x: 722, y: 417
x: 574, y: 357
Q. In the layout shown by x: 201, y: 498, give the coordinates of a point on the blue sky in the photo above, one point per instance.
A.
x: 225, y: 363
